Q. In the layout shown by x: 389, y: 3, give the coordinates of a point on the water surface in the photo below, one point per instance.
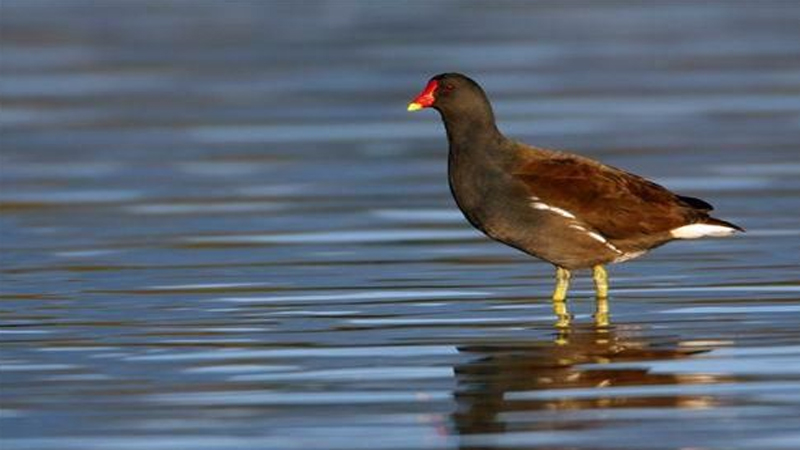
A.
x: 220, y: 229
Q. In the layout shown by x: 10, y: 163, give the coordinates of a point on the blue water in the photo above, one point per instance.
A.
x: 220, y: 228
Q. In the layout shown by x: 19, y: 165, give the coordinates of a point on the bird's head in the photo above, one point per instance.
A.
x: 450, y: 92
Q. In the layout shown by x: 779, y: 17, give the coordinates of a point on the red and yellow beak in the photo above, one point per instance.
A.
x: 426, y: 98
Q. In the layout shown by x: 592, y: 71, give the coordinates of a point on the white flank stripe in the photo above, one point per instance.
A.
x: 559, y: 211
x: 596, y: 236
x: 629, y: 256
x: 601, y: 238
x: 562, y: 212
x: 699, y: 230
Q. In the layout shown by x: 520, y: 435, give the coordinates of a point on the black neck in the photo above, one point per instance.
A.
x: 470, y: 129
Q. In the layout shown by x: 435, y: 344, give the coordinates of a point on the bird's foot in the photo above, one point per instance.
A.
x: 602, y: 317
x: 563, y: 321
x: 564, y: 318
x: 602, y: 320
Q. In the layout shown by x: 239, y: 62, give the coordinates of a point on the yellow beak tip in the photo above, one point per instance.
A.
x: 414, y: 106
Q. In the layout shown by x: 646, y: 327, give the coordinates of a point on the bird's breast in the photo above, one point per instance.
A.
x: 488, y: 196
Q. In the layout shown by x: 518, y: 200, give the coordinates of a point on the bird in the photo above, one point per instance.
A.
x: 566, y: 209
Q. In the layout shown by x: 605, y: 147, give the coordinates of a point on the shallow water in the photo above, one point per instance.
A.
x: 221, y: 229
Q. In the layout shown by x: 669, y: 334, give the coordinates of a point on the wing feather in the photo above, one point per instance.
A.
x: 618, y: 204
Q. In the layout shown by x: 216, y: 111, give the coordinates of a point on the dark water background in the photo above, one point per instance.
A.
x: 221, y: 229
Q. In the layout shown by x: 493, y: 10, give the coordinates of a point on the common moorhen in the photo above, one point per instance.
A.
x: 563, y: 208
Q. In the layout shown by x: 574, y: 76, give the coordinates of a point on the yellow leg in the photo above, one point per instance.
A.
x: 560, y: 297
x: 601, y: 284
x: 601, y: 315
x: 600, y: 281
x: 562, y: 284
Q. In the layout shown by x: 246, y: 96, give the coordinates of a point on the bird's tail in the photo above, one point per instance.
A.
x: 708, y: 227
x: 722, y: 223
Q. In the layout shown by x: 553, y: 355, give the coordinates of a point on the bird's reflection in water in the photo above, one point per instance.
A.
x: 488, y: 385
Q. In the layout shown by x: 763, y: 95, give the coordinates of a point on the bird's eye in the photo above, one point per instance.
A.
x: 449, y: 87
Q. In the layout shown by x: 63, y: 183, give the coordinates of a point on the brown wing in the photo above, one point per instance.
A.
x: 618, y: 204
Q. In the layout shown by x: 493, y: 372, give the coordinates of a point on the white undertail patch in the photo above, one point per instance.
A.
x: 698, y: 230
